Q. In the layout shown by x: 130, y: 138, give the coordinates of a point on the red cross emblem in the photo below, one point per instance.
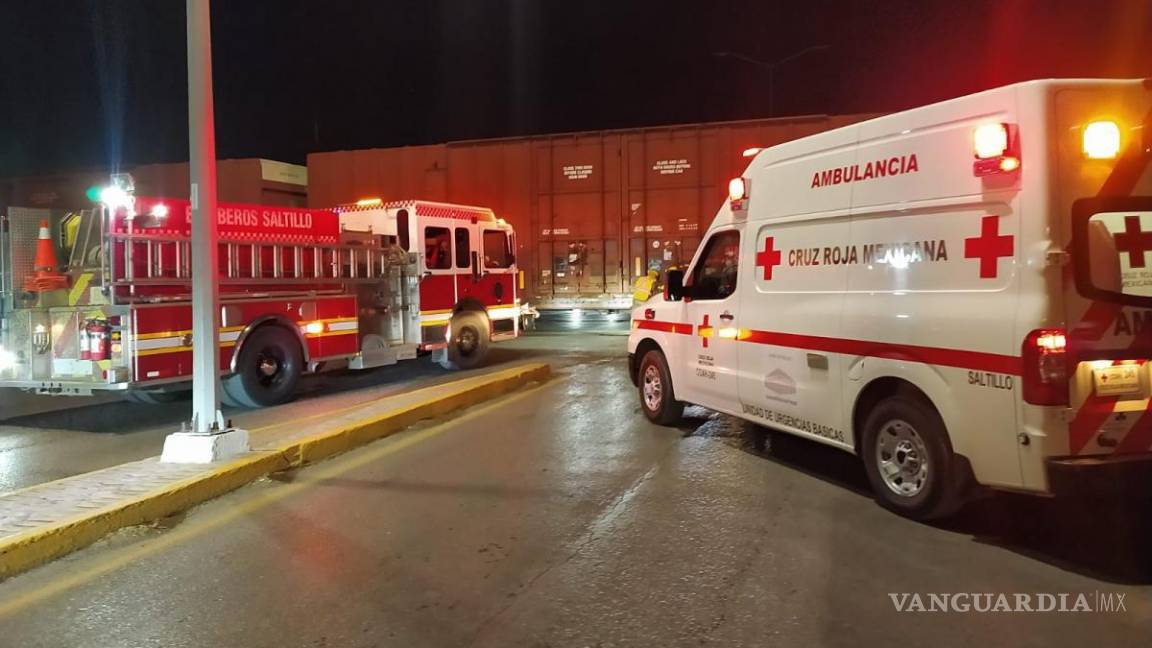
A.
x: 769, y: 258
x: 704, y: 331
x: 1134, y: 241
x: 989, y: 247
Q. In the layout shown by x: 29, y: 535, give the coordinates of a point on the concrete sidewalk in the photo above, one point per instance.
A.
x: 46, y: 521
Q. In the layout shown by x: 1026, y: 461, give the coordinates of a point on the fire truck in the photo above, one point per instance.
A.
x: 99, y: 299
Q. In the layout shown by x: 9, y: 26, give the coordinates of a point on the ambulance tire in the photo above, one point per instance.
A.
x: 657, y: 399
x: 898, y: 433
x: 468, y: 347
x: 267, y: 369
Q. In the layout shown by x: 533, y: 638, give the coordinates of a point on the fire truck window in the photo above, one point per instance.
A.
x: 715, y: 275
x: 497, y: 251
x: 438, y: 248
x: 463, y: 248
x: 402, y: 230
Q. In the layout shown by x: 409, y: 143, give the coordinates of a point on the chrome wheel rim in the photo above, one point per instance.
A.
x: 653, y: 388
x: 902, y: 458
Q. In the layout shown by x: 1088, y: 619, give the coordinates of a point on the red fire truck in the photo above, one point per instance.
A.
x: 99, y: 299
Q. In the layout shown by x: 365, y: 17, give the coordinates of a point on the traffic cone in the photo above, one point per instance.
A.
x: 46, y: 277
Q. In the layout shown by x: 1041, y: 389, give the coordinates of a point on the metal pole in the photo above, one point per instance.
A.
x: 206, y: 416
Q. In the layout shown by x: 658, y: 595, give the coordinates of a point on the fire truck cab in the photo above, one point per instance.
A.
x: 99, y: 299
x: 959, y: 294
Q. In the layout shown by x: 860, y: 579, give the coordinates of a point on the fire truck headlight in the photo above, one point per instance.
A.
x: 8, y: 360
x: 115, y: 197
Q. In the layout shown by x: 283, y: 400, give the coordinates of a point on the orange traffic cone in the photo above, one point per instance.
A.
x: 47, y: 277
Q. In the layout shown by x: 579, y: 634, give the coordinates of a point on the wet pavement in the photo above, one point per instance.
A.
x: 559, y: 517
x: 55, y: 444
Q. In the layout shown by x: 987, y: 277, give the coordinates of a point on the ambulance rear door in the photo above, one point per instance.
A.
x: 1105, y: 185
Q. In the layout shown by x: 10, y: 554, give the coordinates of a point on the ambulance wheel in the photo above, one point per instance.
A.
x: 656, y: 396
x: 909, y: 459
x: 152, y: 397
x: 267, y: 370
x: 469, y: 344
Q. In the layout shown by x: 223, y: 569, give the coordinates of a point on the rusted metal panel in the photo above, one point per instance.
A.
x: 592, y: 211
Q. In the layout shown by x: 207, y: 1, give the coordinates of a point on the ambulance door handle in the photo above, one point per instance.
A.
x: 727, y: 317
x: 818, y: 361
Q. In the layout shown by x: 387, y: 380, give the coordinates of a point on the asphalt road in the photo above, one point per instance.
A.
x: 54, y: 444
x: 559, y: 517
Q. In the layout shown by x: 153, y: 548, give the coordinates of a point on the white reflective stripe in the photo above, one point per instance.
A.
x: 158, y: 343
x: 344, y: 326
x: 503, y: 313
x: 45, y: 234
x: 169, y: 342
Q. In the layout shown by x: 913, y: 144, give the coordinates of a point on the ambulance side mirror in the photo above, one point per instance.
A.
x: 674, y: 289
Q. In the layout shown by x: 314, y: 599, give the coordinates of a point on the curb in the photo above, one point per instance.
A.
x: 24, y: 551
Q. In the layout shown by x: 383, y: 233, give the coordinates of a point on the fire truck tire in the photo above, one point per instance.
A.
x: 909, y: 460
x: 656, y: 396
x: 468, y: 347
x: 267, y: 369
x: 152, y: 397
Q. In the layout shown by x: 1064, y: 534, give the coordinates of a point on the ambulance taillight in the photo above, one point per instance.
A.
x: 996, y: 147
x: 1045, y: 367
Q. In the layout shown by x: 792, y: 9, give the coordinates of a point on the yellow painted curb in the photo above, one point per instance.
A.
x: 26, y: 550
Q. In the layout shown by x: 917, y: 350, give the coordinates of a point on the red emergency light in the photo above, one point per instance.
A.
x: 997, y: 149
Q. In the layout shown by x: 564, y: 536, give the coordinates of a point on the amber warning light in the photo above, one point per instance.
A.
x: 1101, y: 140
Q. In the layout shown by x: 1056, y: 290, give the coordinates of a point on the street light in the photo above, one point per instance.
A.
x: 771, y: 67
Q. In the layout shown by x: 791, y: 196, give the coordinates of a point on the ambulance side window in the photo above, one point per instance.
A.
x: 463, y: 248
x: 438, y: 248
x: 714, y: 277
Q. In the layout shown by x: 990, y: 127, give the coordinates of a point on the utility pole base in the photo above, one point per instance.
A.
x: 200, y: 448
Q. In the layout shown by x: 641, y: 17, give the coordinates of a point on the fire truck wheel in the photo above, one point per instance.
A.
x: 267, y: 370
x: 656, y: 396
x: 909, y: 460
x: 469, y: 344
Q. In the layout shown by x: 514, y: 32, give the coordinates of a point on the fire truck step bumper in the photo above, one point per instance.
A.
x: 1124, y: 476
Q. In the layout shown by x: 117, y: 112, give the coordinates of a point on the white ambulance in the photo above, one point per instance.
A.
x: 960, y: 294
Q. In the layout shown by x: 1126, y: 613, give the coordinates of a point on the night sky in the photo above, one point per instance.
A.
x: 94, y: 83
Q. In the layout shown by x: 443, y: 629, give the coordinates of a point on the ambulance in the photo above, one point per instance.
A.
x: 959, y: 294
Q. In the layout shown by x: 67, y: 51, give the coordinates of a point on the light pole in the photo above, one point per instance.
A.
x: 208, y: 439
x: 771, y: 67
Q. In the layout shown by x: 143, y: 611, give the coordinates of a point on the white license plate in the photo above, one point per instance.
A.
x: 1114, y: 381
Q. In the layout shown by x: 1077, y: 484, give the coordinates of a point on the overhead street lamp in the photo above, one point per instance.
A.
x: 771, y: 67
